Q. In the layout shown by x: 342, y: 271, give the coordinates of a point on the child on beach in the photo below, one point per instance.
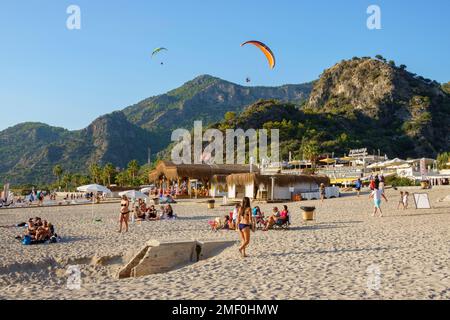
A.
x: 400, y: 201
x: 405, y: 200
x: 376, y: 195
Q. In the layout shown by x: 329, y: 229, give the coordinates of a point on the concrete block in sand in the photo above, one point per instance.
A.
x: 212, y: 248
x: 163, y: 256
x: 125, y: 271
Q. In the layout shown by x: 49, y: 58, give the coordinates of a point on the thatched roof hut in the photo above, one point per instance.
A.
x: 280, y: 179
x: 172, y: 171
x: 219, y: 179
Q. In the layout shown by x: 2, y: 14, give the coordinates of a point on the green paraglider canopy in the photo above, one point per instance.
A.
x: 158, y: 50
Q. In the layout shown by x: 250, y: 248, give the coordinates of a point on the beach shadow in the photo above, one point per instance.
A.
x: 285, y: 254
x: 345, y: 222
x: 421, y: 214
x: 350, y: 250
x: 354, y: 194
x: 71, y: 239
x: 315, y: 227
x: 197, y: 218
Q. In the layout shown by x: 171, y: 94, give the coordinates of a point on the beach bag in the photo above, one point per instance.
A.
x: 26, y: 240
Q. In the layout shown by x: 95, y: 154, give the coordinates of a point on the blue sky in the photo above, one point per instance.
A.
x: 68, y: 78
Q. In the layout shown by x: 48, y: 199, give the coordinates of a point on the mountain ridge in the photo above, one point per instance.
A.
x: 362, y: 102
x: 29, y: 150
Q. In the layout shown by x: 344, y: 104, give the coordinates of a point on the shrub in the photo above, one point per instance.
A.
x: 397, y: 181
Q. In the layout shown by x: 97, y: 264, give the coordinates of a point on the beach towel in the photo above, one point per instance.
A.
x: 26, y: 240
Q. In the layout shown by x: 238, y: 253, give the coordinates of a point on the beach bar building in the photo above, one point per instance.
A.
x: 273, y: 187
x: 209, y: 177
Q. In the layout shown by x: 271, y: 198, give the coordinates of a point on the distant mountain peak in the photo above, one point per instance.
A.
x: 205, y: 77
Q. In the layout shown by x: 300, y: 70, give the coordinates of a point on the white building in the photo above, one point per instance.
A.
x: 275, y: 187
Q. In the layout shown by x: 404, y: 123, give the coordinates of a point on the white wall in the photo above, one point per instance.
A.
x: 231, y: 191
x: 249, y: 190
x: 215, y: 190
x: 283, y: 193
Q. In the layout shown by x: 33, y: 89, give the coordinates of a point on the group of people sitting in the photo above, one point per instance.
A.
x: 38, y: 231
x: 229, y: 222
x: 142, y: 212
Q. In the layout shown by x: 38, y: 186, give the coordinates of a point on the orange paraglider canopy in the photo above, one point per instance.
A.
x: 265, y: 49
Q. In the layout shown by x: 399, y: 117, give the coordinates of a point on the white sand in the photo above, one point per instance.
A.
x: 325, y: 259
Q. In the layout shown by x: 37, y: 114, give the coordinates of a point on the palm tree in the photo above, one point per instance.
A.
x: 76, y: 179
x: 58, y: 171
x: 310, y: 151
x: 122, y: 178
x: 133, y: 169
x: 443, y: 159
x: 66, y: 179
x: 108, y: 172
x: 95, y: 171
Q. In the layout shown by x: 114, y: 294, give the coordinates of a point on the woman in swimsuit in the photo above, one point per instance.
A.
x: 244, y: 223
x: 124, y: 213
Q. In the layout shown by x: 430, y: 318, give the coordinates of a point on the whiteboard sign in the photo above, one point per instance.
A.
x: 421, y: 200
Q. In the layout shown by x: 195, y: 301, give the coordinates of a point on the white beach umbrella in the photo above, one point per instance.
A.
x: 133, y: 194
x: 377, y: 165
x: 395, y: 162
x: 146, y: 190
x: 94, y: 188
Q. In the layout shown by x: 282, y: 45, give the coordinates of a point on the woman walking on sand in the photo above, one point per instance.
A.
x: 376, y: 195
x: 124, y: 213
x: 244, y: 225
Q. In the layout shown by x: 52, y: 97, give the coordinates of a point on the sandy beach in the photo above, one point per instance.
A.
x: 332, y: 257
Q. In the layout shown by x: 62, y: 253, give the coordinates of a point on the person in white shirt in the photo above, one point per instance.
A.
x: 377, y: 195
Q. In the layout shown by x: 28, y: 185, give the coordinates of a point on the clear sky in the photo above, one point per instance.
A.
x: 68, y: 78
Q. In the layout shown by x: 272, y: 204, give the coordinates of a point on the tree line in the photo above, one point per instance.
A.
x: 132, y: 176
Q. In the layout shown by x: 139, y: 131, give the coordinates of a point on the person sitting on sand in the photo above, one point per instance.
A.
x: 142, y: 206
x: 236, y: 209
x: 272, y: 219
x: 169, y: 212
x: 138, y: 214
x: 152, y: 213
x: 31, y: 229
x: 219, y: 223
x: 43, y: 232
x: 38, y: 222
x: 226, y: 222
x: 256, y: 212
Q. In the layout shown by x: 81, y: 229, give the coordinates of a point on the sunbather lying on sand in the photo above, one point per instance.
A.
x: 38, y: 231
